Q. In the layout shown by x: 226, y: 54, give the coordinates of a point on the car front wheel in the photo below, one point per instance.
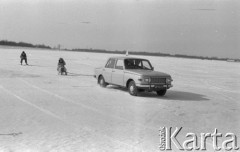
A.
x: 161, y: 92
x: 132, y: 88
x: 102, y: 82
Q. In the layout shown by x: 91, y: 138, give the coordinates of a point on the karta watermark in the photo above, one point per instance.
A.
x: 168, y: 138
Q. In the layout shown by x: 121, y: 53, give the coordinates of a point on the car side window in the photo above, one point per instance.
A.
x: 110, y: 63
x: 146, y: 65
x: 119, y: 65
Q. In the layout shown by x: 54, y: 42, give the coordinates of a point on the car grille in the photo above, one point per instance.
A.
x: 158, y: 80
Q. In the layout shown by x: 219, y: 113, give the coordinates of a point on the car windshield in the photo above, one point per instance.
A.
x: 137, y: 64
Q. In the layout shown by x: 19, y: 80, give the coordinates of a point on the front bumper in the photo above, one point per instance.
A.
x: 153, y: 87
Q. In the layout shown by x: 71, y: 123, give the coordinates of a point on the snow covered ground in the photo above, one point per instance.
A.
x: 42, y: 111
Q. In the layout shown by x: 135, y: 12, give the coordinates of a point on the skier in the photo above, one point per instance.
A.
x: 23, y: 56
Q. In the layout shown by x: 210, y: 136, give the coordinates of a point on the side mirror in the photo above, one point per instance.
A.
x: 153, y: 68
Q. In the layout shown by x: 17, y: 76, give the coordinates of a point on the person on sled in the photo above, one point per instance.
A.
x: 61, y: 66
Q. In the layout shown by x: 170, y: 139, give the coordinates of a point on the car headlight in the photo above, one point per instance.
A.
x: 169, y: 80
x: 146, y: 80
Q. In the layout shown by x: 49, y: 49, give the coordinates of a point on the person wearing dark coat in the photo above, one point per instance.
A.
x: 61, y: 64
x: 23, y: 56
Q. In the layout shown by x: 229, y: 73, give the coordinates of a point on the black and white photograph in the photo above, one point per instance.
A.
x: 119, y: 75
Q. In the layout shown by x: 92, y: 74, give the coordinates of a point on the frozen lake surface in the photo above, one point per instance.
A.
x: 42, y: 111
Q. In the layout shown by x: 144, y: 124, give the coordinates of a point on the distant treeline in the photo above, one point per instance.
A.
x: 155, y: 54
x: 23, y: 44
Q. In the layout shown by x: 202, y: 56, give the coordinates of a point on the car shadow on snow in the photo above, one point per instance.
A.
x: 176, y: 95
x: 78, y: 74
x: 170, y: 95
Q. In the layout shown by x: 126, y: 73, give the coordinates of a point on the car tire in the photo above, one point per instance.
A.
x: 102, y: 82
x: 132, y: 88
x: 161, y: 92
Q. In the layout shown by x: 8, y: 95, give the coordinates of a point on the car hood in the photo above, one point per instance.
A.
x: 149, y: 73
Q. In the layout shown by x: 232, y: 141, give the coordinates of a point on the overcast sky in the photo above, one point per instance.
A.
x: 193, y: 27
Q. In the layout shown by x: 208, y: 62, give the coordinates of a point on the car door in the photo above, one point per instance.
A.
x: 118, y: 73
x: 107, y: 71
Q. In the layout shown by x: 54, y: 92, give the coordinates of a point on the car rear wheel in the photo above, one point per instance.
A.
x: 161, y: 92
x: 102, y: 82
x: 132, y: 88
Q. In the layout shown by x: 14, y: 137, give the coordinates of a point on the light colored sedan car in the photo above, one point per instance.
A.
x: 136, y: 74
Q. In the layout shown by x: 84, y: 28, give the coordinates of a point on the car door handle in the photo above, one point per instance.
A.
x: 113, y: 71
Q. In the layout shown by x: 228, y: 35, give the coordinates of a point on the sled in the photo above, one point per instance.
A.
x: 62, y: 70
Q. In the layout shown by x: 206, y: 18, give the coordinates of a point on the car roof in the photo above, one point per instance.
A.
x: 125, y: 57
